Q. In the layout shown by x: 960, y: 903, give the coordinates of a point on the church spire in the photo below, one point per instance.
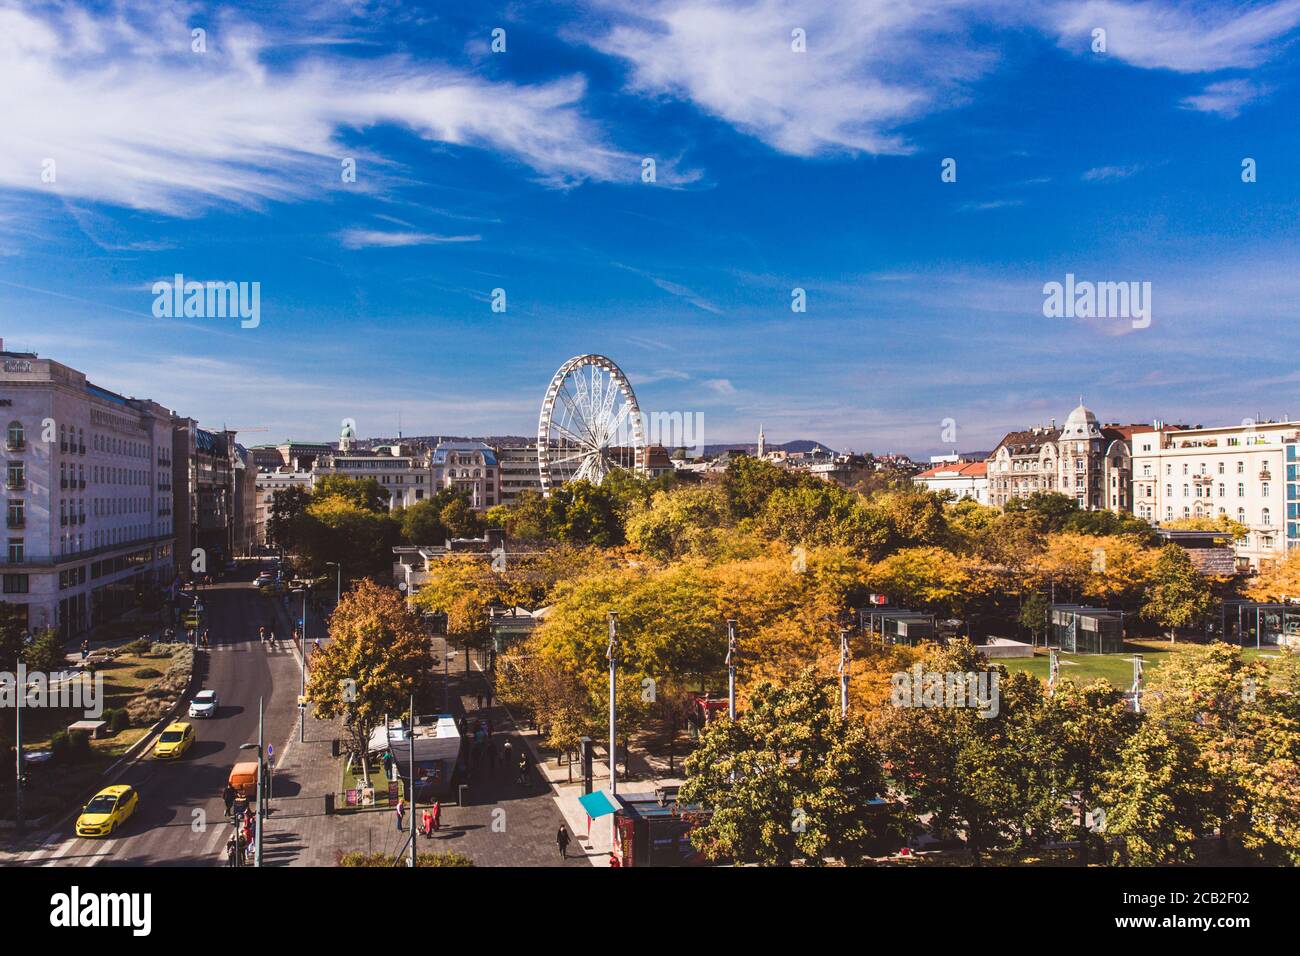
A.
x: 762, y: 441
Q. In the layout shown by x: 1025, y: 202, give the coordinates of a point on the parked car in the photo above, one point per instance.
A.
x: 107, y: 811
x: 204, y: 704
x: 265, y: 579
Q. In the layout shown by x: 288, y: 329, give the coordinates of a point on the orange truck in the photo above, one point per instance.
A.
x: 244, y: 779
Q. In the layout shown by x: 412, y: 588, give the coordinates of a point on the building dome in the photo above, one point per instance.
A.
x: 1082, y: 424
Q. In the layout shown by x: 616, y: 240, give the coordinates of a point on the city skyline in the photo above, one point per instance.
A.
x: 523, y: 169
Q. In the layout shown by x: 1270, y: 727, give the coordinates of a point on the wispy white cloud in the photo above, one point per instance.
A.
x: 370, y: 238
x: 1187, y: 37
x: 132, y: 117
x: 1227, y: 98
x: 868, y: 67
x: 1102, y: 174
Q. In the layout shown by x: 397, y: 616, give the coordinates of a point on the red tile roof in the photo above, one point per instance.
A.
x: 970, y: 469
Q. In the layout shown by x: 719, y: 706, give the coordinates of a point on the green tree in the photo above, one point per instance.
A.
x: 1090, y: 725
x: 365, y: 493
x: 460, y: 520
x: 13, y: 629
x: 287, y: 507
x: 749, y: 482
x: 46, y: 654
x: 787, y: 779
x: 952, y: 763
x: 339, y: 530
x: 377, y: 656
x: 1178, y: 595
x: 1156, y: 797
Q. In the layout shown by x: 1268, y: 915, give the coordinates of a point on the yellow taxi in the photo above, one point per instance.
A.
x: 175, y: 739
x: 109, y: 809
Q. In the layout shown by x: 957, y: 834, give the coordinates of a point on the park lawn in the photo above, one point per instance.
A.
x: 120, y: 685
x: 1117, y: 669
x: 53, y: 786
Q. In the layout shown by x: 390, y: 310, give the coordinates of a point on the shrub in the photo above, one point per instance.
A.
x: 356, y: 858
x: 146, y: 673
x: 70, y: 746
x: 140, y: 645
x: 144, y: 710
x: 119, y: 721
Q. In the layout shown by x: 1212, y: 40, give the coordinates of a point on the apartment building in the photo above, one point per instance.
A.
x: 471, y: 467
x: 1241, y: 471
x: 964, y: 479
x: 267, y: 484
x: 518, y: 471
x: 89, y: 495
x: 1084, y: 460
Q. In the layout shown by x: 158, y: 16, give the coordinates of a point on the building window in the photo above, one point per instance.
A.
x: 1265, y: 517
x: 15, y: 584
x: 16, y: 551
x: 15, y: 438
x: 1241, y: 490
x: 1263, y: 489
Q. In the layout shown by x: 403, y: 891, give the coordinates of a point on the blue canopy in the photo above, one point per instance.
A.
x: 597, y: 804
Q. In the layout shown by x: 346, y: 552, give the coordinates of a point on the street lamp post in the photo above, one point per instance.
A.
x: 302, y: 693
x: 261, y: 803
x: 731, y: 669
x: 611, y: 655
x: 338, y: 584
x: 18, y: 750
x: 410, y: 742
x: 844, y: 672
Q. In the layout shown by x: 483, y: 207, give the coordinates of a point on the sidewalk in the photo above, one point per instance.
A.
x: 503, y: 823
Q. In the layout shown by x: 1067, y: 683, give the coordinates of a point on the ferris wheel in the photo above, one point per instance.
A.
x: 590, y: 424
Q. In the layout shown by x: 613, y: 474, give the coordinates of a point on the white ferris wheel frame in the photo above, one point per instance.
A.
x: 583, y: 434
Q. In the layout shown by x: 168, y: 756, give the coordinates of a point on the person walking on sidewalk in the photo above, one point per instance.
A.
x: 228, y: 795
x: 427, y: 823
x: 562, y: 841
x: 523, y: 769
x: 437, y: 815
x: 401, y: 812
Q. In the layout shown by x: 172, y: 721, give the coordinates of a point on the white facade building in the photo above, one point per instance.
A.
x: 268, y: 483
x: 403, y: 470
x: 963, y: 479
x: 89, y: 498
x: 1238, y: 471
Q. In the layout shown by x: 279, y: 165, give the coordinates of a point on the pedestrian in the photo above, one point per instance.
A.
x: 232, y: 852
x: 523, y: 769
x: 426, y: 825
x: 437, y: 815
x: 613, y: 860
x: 507, y: 752
x: 401, y: 811
x: 562, y: 841
x: 228, y: 795
x: 85, y: 649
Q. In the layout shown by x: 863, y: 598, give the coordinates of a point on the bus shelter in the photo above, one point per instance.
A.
x: 1080, y: 629
x: 1256, y: 623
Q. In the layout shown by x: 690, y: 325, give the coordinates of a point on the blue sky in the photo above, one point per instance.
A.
x: 775, y: 169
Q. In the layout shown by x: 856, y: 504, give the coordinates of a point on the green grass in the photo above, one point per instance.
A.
x: 1117, y: 669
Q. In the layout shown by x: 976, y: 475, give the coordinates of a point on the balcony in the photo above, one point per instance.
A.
x: 15, y: 444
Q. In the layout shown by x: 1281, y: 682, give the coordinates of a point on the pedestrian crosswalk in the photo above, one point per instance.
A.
x: 244, y: 647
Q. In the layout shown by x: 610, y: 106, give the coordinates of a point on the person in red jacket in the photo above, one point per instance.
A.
x: 613, y: 860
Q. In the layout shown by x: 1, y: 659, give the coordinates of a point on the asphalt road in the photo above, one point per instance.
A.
x: 180, y: 820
